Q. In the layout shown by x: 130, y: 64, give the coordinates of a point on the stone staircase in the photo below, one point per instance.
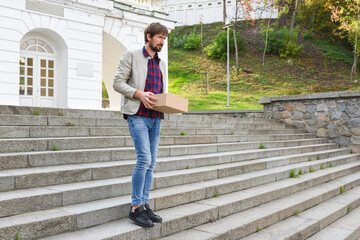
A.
x: 66, y: 174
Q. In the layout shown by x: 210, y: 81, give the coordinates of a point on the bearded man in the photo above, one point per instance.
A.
x: 140, y: 75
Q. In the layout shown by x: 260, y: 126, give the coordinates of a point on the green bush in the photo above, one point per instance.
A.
x: 218, y: 48
x: 282, y: 41
x: 193, y: 41
x: 178, y: 42
x: 308, y: 35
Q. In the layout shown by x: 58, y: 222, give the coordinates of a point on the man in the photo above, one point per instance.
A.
x: 140, y: 75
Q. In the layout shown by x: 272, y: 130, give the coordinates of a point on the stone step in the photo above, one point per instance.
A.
x: 191, y: 215
x: 74, y: 193
x: 20, y: 110
x: 82, y: 131
x: 163, y: 196
x: 213, y: 153
x: 53, y: 175
x: 72, y: 143
x: 306, y: 223
x: 39, y: 120
x: 261, y: 215
x: 346, y: 228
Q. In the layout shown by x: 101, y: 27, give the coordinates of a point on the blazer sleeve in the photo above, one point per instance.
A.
x: 123, y: 75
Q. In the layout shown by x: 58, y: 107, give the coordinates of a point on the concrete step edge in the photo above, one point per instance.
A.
x: 345, y: 228
x: 308, y: 222
x: 176, y: 219
x: 84, y: 189
x: 26, y: 145
x: 247, y: 222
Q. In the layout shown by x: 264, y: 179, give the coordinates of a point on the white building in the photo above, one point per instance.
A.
x: 55, y: 53
x: 190, y: 12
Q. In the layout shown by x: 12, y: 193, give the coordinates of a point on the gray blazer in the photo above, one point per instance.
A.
x: 131, y: 76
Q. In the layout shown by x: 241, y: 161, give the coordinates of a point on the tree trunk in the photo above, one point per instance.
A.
x: 224, y: 10
x: 235, y: 41
x: 266, y: 38
x: 356, y: 57
x: 294, y: 15
x: 282, y: 19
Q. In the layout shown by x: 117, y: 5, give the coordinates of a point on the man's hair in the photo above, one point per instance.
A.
x: 155, y: 28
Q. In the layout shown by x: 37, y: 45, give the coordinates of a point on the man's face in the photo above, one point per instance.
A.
x: 156, y: 42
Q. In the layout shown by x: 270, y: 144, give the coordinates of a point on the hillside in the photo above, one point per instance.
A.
x: 320, y: 67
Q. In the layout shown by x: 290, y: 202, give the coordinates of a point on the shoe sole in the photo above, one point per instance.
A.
x: 140, y: 224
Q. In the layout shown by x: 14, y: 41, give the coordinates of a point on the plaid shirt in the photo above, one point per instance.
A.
x: 153, y: 84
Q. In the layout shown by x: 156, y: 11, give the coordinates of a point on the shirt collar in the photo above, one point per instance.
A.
x: 146, y: 54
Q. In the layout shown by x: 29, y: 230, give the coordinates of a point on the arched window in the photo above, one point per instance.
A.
x: 37, y: 74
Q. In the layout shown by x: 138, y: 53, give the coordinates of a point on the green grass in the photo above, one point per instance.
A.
x: 342, y: 189
x: 55, y: 148
x: 216, y: 194
x: 262, y: 146
x: 69, y: 124
x: 301, y: 172
x: 293, y: 174
x: 187, y: 167
x: 312, y: 169
x: 17, y: 237
x: 104, y: 91
x: 183, y: 133
x: 37, y: 112
x: 334, y: 51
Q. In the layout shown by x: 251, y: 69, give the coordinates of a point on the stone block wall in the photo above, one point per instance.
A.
x: 335, y: 115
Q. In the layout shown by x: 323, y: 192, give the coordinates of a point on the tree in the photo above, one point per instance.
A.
x: 356, y: 56
x: 282, y: 18
x: 224, y: 10
x: 294, y: 15
x: 346, y: 13
x: 234, y: 31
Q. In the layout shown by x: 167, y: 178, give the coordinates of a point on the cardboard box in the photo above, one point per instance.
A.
x: 171, y: 103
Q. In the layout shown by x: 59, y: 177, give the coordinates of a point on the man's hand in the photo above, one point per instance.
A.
x: 147, y: 98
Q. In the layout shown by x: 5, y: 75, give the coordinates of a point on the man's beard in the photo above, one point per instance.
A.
x: 156, y: 48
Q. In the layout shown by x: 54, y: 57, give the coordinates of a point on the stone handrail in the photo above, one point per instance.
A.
x: 334, y: 115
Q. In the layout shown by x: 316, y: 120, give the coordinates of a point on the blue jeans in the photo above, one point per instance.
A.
x: 145, y: 133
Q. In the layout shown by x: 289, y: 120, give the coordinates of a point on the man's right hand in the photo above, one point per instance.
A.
x: 147, y: 98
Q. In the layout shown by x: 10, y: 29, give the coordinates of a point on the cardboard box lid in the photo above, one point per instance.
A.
x: 171, y: 103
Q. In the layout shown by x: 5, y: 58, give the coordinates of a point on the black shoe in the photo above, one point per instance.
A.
x: 153, y: 217
x: 139, y: 217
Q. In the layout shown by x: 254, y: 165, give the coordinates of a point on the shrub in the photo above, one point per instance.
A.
x: 193, y: 41
x: 308, y: 35
x: 282, y: 41
x: 218, y: 48
x: 178, y: 42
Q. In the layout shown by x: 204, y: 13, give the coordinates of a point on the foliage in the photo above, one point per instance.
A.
x: 283, y: 41
x: 308, y: 34
x: 218, y: 48
x: 334, y: 51
x: 317, y: 16
x: 104, y: 91
x: 178, y: 42
x: 346, y: 14
x: 193, y: 41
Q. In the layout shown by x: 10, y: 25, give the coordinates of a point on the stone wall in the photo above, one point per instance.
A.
x: 335, y: 116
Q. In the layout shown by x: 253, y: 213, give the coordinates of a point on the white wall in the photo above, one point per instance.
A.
x: 76, y: 29
x: 81, y: 32
x: 190, y: 12
x: 9, y: 51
